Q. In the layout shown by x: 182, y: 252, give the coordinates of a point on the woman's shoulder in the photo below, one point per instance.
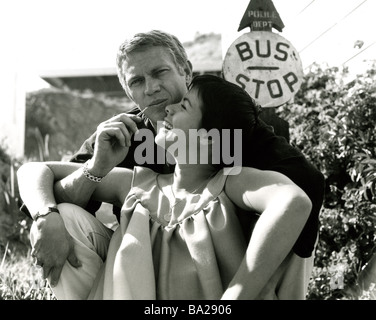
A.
x: 249, y: 177
x: 230, y: 177
x: 143, y: 176
x: 239, y: 174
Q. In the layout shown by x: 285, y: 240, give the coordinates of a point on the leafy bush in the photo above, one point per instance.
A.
x: 333, y: 123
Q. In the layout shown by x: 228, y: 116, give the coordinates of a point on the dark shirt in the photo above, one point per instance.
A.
x: 267, y: 151
x: 271, y: 152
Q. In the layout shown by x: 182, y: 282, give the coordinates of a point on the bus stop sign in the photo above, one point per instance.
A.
x: 266, y: 65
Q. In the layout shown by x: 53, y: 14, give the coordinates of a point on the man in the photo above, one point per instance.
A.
x: 154, y: 70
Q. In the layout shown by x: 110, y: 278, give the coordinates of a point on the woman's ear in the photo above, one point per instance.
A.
x: 204, y: 138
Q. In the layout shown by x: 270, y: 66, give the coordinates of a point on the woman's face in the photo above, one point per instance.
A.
x: 181, y: 117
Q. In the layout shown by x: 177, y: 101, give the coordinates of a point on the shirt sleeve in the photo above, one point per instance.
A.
x: 86, y: 150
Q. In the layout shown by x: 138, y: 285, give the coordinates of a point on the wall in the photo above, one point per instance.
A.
x: 12, y: 113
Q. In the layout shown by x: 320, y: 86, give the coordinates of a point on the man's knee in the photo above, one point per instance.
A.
x: 84, y: 227
x: 70, y: 211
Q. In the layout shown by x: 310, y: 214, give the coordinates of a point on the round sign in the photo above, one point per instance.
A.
x: 266, y: 65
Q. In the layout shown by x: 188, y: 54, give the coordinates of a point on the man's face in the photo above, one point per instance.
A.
x: 154, y: 81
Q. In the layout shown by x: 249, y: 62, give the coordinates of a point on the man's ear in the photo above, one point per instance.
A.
x: 188, y: 71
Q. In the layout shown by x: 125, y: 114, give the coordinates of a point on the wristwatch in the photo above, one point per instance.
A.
x: 45, y: 211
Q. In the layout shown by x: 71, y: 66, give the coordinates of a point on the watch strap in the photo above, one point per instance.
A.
x: 45, y: 211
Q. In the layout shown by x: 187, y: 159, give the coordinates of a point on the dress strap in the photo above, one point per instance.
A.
x: 217, y: 183
x: 143, y: 179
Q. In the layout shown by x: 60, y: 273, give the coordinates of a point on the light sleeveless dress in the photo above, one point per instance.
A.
x: 155, y: 256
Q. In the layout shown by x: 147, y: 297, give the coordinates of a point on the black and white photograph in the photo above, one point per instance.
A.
x: 188, y: 155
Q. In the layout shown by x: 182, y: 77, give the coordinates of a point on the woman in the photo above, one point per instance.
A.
x: 179, y: 235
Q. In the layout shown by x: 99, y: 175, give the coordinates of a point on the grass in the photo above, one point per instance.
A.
x: 21, y: 280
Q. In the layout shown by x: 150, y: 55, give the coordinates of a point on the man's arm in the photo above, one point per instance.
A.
x: 53, y: 245
x: 76, y: 188
x: 87, y: 148
x: 284, y: 209
x: 35, y: 182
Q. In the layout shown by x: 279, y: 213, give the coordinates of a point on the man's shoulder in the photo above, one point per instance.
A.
x: 267, y: 148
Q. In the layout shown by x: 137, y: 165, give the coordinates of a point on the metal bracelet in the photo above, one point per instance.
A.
x: 88, y: 175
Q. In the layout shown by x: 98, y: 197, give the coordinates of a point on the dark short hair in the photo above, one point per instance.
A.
x: 227, y: 106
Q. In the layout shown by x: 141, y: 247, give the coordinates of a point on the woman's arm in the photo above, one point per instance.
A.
x: 284, y: 209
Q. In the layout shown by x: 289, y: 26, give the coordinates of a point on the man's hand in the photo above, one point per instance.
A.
x: 52, y: 245
x: 113, y: 140
x: 127, y: 123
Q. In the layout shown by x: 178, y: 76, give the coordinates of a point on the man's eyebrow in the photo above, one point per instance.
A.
x: 152, y: 71
x: 156, y: 69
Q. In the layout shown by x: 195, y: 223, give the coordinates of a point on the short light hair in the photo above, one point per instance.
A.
x: 140, y: 41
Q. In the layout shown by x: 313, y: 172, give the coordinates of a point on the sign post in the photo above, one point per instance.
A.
x: 264, y: 63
